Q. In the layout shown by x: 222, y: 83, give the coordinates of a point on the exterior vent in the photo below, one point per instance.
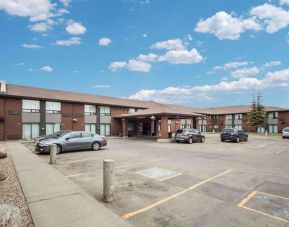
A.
x: 3, y: 87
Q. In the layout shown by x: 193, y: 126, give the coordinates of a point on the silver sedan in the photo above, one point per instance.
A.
x: 76, y: 140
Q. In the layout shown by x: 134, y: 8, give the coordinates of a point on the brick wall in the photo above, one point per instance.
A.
x: 283, y: 120
x: 70, y: 111
x: 1, y: 116
x: 116, y: 124
x: 13, y: 118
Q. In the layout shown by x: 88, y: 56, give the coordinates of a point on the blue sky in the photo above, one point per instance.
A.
x: 203, y: 54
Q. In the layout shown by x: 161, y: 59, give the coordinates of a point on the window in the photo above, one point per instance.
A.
x: 53, y: 107
x: 238, y: 116
x: 74, y: 135
x: 214, y: 117
x: 261, y: 130
x: 87, y: 134
x: 90, y: 109
x: 273, y: 128
x: 202, y: 128
x: 105, y: 129
x: 52, y: 128
x: 130, y: 126
x: 272, y: 115
x: 90, y: 128
x: 229, y: 117
x: 30, y: 131
x: 30, y: 106
x: 216, y: 126
x: 105, y: 110
x: 131, y: 110
x: 238, y: 126
x: 228, y: 126
x: 169, y: 127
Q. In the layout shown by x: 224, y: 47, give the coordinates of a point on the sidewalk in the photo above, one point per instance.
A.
x: 54, y: 200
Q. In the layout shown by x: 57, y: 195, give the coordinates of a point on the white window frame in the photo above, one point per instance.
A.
x: 89, y: 109
x: 53, y: 107
x: 105, y: 110
x: 30, y: 106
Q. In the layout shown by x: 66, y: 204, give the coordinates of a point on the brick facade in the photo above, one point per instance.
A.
x: 13, y: 118
x: 116, y: 125
x: 72, y: 116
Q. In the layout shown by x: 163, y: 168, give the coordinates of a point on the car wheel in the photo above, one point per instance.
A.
x: 246, y: 139
x: 58, y: 149
x: 202, y: 140
x: 237, y: 140
x: 95, y: 146
x: 222, y: 140
x: 190, y: 140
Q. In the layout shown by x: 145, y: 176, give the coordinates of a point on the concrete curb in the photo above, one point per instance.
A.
x: 53, y: 199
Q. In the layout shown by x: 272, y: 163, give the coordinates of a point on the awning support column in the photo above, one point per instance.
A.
x: 124, y: 127
x: 164, y: 127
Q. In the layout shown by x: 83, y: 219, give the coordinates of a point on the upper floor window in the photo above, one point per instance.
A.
x: 105, y: 110
x: 30, y: 106
x: 131, y: 110
x: 238, y: 116
x: 229, y: 117
x: 53, y: 107
x: 272, y: 115
x: 90, y: 109
x: 214, y: 117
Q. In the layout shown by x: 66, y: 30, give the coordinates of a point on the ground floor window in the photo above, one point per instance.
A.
x: 238, y: 126
x: 130, y: 126
x: 202, y: 128
x: 228, y: 126
x: 273, y: 128
x: 52, y: 128
x: 169, y: 127
x: 30, y: 131
x: 186, y: 126
x: 90, y: 128
x: 105, y: 129
x: 261, y: 130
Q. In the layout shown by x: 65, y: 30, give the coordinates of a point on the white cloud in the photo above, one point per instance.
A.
x: 278, y: 79
x: 225, y: 26
x: 36, y: 10
x: 31, y: 46
x: 47, y: 68
x: 65, y: 2
x: 245, y: 72
x: 144, y: 35
x: 171, y: 44
x: 104, y: 41
x: 131, y: 65
x: 101, y: 86
x: 75, y: 28
x: 151, y: 57
x: 20, y: 64
x: 189, y: 37
x: 229, y: 66
x: 284, y: 2
x: 273, y: 17
x: 69, y: 42
x: 181, y: 57
x: 42, y: 26
x: 271, y: 64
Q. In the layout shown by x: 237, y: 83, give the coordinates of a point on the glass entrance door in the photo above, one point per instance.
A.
x: 30, y: 131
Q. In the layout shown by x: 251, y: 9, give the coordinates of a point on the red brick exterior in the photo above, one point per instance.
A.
x: 2, y: 119
x: 283, y: 120
x: 116, y: 124
x: 72, y: 116
x: 13, y: 118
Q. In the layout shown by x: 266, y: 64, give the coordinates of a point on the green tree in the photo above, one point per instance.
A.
x: 257, y: 116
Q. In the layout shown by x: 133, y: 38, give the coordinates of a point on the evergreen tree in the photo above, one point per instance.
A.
x: 257, y: 116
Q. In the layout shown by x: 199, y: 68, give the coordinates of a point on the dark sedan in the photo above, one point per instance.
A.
x: 233, y: 134
x: 189, y: 135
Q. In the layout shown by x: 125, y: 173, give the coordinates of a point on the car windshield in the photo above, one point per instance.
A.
x: 228, y: 130
x: 60, y: 133
x: 286, y: 129
x: 180, y: 131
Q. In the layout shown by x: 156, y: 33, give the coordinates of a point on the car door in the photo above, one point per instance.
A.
x: 85, y: 140
x: 72, y: 141
x: 241, y: 135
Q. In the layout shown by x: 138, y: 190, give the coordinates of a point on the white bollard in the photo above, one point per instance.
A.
x: 108, y: 180
x: 266, y: 133
x: 53, y: 156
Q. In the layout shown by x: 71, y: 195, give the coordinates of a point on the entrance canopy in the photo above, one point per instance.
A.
x: 156, y: 121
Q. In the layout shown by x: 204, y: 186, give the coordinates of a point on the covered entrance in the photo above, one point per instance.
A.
x: 158, y: 124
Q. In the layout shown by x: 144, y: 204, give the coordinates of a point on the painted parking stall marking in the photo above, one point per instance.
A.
x: 158, y: 174
x: 266, y: 204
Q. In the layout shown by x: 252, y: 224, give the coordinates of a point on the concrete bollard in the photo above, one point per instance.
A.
x: 266, y: 133
x: 53, y: 156
x: 108, y: 180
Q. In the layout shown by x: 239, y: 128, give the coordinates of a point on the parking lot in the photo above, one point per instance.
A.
x: 199, y: 184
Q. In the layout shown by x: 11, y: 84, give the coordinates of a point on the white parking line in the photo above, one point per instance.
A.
x: 285, y: 149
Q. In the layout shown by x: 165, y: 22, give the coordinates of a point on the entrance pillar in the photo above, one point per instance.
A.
x: 124, y: 127
x: 164, y: 127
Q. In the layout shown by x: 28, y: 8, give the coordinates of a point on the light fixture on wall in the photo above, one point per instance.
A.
x: 153, y: 117
x: 75, y: 120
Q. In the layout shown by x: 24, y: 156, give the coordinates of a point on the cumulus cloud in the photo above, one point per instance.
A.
x: 65, y: 3
x: 75, y: 28
x: 277, y: 79
x: 31, y: 46
x: 104, y: 41
x: 42, y: 26
x: 271, y: 64
x: 36, y: 10
x: 69, y: 42
x: 274, y: 18
x: 151, y: 57
x: 225, y: 26
x: 245, y: 72
x: 131, y: 65
x: 171, y: 44
x: 181, y: 57
x: 284, y: 2
x: 47, y: 68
